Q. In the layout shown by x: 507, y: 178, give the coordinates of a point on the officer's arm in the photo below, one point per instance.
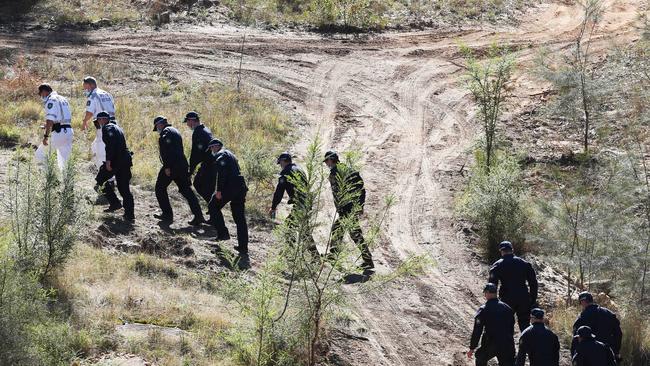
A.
x: 577, y: 360
x: 477, y: 331
x: 165, y: 142
x: 107, y: 137
x: 221, y: 174
x: 89, y: 112
x: 617, y: 334
x: 574, y: 345
x: 493, y: 277
x: 532, y: 283
x: 556, y: 351
x: 195, y: 155
x: 523, y: 351
x: 611, y: 359
x: 279, y: 192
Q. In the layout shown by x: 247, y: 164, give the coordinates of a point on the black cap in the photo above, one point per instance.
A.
x: 285, y: 156
x: 214, y: 142
x: 585, y: 296
x: 103, y: 115
x: 191, y: 115
x: 585, y: 332
x: 44, y: 87
x: 331, y: 154
x: 90, y: 80
x: 158, y: 120
x: 537, y: 313
x: 491, y: 288
x: 505, y: 245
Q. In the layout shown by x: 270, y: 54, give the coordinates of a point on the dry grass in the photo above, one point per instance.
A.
x: 251, y: 127
x: 105, y: 290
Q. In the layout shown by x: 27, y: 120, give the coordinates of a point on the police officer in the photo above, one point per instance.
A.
x: 175, y: 169
x: 117, y: 164
x: 539, y: 343
x: 602, y: 322
x: 589, y: 351
x: 293, y: 181
x: 231, y: 188
x: 349, y: 198
x: 205, y: 179
x: 97, y: 101
x: 513, y: 273
x: 495, y: 321
x: 57, y: 125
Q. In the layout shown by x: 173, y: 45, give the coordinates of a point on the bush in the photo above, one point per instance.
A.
x: 636, y: 338
x: 494, y: 202
x: 45, y: 211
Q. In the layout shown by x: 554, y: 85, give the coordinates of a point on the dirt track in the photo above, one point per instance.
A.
x: 398, y: 98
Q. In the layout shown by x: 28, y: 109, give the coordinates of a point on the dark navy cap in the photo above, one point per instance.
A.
x: 158, y: 120
x: 331, y: 154
x: 585, y: 332
x: 191, y: 115
x: 44, y: 87
x: 103, y: 115
x: 505, y: 245
x: 537, y: 313
x: 214, y: 142
x: 285, y: 156
x: 585, y: 296
x: 491, y: 288
x: 90, y: 80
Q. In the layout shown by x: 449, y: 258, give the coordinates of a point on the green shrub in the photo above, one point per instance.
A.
x: 45, y: 211
x: 494, y: 202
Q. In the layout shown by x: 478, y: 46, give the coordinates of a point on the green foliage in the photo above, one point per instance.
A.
x: 45, y: 210
x: 43, y: 223
x: 636, y: 338
x: 487, y: 81
x: 295, y: 294
x: 495, y: 202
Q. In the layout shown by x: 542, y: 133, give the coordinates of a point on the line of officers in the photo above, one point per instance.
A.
x: 597, y: 331
x: 217, y: 175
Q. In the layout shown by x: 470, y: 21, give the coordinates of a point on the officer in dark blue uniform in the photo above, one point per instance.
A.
x: 205, y: 178
x: 494, y: 325
x: 539, y: 343
x: 293, y: 181
x: 175, y: 169
x: 349, y: 198
x: 118, y: 164
x: 589, y: 351
x: 231, y: 188
x: 603, y: 323
x: 513, y: 273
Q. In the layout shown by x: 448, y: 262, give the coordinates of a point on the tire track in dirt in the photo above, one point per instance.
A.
x: 398, y: 99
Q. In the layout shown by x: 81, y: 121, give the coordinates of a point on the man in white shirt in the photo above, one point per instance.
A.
x: 58, y: 131
x: 99, y: 101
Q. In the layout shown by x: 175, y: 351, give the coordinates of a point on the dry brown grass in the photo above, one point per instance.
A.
x: 105, y: 290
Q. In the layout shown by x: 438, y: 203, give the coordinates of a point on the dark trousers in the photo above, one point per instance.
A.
x: 182, y: 180
x: 205, y: 182
x: 522, y: 309
x: 300, y: 234
x: 238, y: 209
x: 505, y: 354
x: 354, y: 228
x: 122, y: 180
